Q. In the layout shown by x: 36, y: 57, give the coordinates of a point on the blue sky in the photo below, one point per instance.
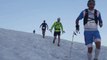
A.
x: 27, y: 15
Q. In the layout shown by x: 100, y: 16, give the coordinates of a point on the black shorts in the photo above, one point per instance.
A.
x: 56, y: 33
x: 43, y: 30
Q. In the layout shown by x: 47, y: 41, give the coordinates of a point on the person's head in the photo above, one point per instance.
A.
x: 58, y: 19
x: 44, y: 21
x: 91, y: 4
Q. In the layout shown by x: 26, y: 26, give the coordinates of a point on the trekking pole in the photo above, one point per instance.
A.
x: 74, y: 33
x: 71, y: 44
x: 71, y: 47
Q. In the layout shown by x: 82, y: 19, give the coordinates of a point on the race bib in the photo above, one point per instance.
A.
x: 43, y: 27
x: 91, y: 23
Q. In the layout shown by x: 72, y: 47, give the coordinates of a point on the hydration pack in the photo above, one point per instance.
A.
x: 86, y: 17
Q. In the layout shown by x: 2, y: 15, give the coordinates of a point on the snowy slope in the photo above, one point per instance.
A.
x: 15, y: 45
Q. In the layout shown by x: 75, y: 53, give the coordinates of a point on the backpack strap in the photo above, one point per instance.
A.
x: 95, y: 15
x: 86, y: 16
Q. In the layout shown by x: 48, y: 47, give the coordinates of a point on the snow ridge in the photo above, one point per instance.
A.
x: 16, y: 45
